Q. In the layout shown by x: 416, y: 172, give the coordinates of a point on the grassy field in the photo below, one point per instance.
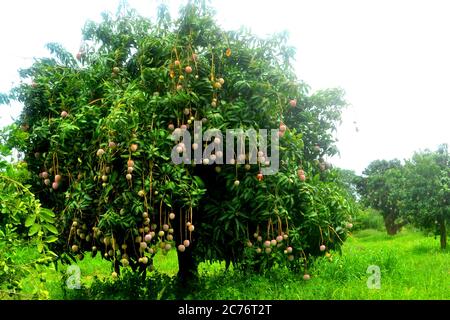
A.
x: 412, y: 267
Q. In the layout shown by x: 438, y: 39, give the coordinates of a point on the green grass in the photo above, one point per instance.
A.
x: 412, y: 267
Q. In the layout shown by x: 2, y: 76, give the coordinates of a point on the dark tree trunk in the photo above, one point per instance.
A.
x: 389, y: 222
x: 443, y: 232
x: 117, y: 266
x: 187, y: 265
x: 393, y: 228
x: 143, y: 271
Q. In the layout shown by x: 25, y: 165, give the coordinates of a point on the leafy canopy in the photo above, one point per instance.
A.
x: 98, y: 142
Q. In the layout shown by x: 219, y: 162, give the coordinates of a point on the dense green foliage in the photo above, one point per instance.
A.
x: 20, y: 211
x: 369, y: 219
x: 98, y: 143
x: 427, y: 189
x: 21, y: 216
x: 381, y: 188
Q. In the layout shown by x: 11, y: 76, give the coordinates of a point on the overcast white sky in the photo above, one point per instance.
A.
x: 391, y: 57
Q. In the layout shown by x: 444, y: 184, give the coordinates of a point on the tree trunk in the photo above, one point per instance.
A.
x: 389, y: 222
x: 393, y: 228
x: 187, y: 265
x: 117, y: 266
x: 443, y: 231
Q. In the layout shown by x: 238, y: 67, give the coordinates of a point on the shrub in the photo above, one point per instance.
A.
x: 369, y: 219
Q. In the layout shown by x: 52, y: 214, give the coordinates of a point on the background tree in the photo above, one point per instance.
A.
x: 99, y: 144
x: 428, y: 191
x: 349, y: 181
x: 381, y: 188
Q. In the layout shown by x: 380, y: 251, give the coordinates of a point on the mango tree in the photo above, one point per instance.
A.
x: 381, y: 187
x: 100, y: 141
x: 428, y: 191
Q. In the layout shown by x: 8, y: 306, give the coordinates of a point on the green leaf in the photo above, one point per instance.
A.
x: 40, y: 247
x: 51, y: 239
x: 51, y: 228
x: 30, y: 220
x: 46, y: 215
x: 47, y: 212
x: 34, y: 229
